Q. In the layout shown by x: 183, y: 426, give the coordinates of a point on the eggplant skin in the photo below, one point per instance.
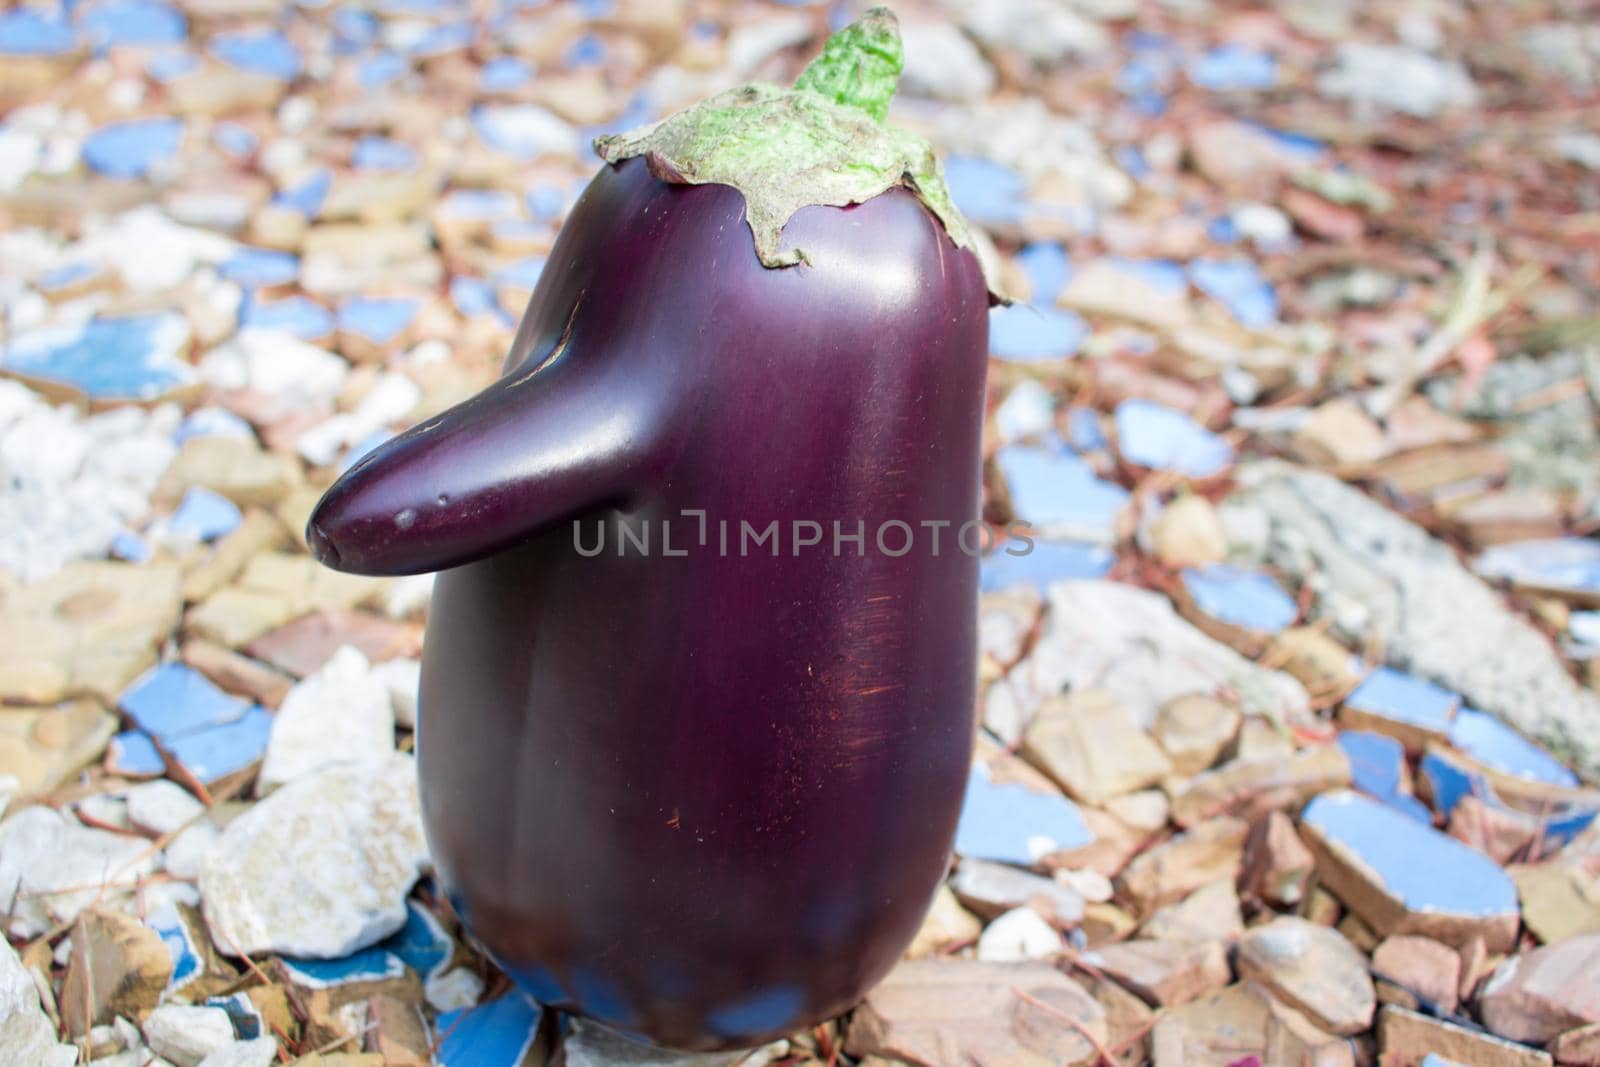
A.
x: 704, y: 799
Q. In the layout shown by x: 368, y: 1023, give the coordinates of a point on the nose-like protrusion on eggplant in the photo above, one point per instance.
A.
x: 533, y: 450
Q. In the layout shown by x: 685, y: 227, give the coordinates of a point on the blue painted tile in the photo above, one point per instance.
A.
x: 1405, y: 699
x: 1241, y: 597
x: 479, y: 205
x: 380, y: 153
x: 1057, y: 491
x: 1084, y: 432
x: 444, y: 39
x: 1433, y: 1059
x: 354, y: 29
x: 1569, y: 564
x: 473, y: 296
x: 183, y: 945
x: 1024, y: 333
x: 222, y: 750
x: 1239, y: 286
x: 1422, y: 869
x: 356, y: 452
x: 1162, y: 275
x: 1132, y: 160
x: 132, y: 149
x: 1450, y: 778
x: 213, y: 422
x: 421, y: 943
x: 1302, y: 145
x: 28, y: 32
x: 307, y: 196
x: 1377, y: 768
x: 503, y: 74
x: 1046, y: 562
x: 65, y: 277
x: 113, y: 23
x: 523, y: 274
x: 368, y: 965
x: 1224, y: 231
x: 986, y: 192
x: 133, y: 755
x: 168, y: 66
x: 376, y: 71
x: 260, y: 267
x: 377, y: 319
x: 1500, y: 748
x: 173, y: 699
x: 137, y: 357
x: 500, y: 1033
x: 298, y: 315
x: 1160, y: 438
x: 547, y: 201
x: 130, y: 546
x: 1013, y: 824
x: 1583, y: 627
x: 242, y: 1013
x: 265, y: 52
x: 204, y: 515
x: 587, y: 51
x: 235, y: 139
x: 1230, y: 67
x: 1048, y: 270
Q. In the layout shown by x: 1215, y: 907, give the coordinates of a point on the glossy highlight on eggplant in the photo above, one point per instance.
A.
x: 702, y: 798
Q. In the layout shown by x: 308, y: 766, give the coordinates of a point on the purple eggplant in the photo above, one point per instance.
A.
x: 691, y: 754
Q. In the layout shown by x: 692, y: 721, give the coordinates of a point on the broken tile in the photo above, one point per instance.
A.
x: 1378, y: 769
x: 1405, y: 878
x: 1406, y: 708
x: 1151, y: 435
x: 1059, y: 495
x: 1014, y: 824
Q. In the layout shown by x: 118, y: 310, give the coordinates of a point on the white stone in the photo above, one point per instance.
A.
x: 942, y: 62
x: 186, y: 853
x: 149, y: 250
x: 187, y: 1034
x: 321, y: 867
x: 1045, y: 31
x: 459, y: 987
x: 1396, y: 78
x: 161, y: 806
x: 590, y: 1045
x: 52, y: 867
x: 391, y: 398
x: 402, y: 679
x: 407, y: 597
x: 1019, y: 934
x: 296, y: 373
x: 257, y: 1053
x: 26, y: 1034
x: 1108, y: 635
x: 338, y: 715
x: 754, y: 43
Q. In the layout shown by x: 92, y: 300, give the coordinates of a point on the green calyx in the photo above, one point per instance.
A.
x: 825, y: 141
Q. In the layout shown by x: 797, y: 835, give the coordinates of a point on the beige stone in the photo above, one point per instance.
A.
x: 946, y: 924
x: 1210, y: 913
x: 1277, y: 864
x: 1241, y: 1020
x: 1338, y: 433
x: 1422, y: 966
x: 1188, y: 533
x: 44, y: 747
x: 88, y: 630
x: 118, y: 967
x: 1173, y: 869
x: 1087, y: 743
x: 1195, y: 729
x: 237, y: 468
x: 1252, y: 787
x: 1406, y: 1038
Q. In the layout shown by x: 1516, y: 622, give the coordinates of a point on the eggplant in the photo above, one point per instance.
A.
x: 686, y: 772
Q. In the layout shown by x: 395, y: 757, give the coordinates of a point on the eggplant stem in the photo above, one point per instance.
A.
x: 860, y: 65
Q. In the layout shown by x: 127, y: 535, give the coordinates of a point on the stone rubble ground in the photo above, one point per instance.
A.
x: 1290, y: 726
